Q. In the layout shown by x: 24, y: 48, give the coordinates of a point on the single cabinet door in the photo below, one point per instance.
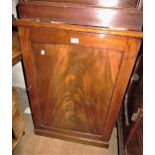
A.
x: 75, y: 85
x: 76, y: 81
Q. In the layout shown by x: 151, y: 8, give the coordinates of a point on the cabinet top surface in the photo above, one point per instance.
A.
x: 104, y: 3
x: 112, y: 14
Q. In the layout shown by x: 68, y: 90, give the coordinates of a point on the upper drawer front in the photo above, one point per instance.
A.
x: 111, y: 18
x: 84, y: 39
x: 104, y: 3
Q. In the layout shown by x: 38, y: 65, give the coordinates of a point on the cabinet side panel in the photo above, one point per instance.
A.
x: 30, y: 74
x: 126, y: 67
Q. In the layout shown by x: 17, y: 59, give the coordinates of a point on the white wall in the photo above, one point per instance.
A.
x: 14, y: 3
x: 17, y: 71
x: 18, y: 76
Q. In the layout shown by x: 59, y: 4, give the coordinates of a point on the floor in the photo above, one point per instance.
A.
x: 32, y: 144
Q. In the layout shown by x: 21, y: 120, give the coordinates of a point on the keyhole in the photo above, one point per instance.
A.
x: 42, y: 52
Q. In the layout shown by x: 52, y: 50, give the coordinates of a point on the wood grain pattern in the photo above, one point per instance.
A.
x: 130, y: 133
x: 76, y: 89
x: 126, y: 68
x: 74, y: 93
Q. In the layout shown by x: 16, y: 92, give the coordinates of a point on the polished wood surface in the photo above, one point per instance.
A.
x: 133, y: 136
x: 74, y: 97
x: 16, y: 49
x: 77, y: 28
x: 76, y: 89
x: 84, y: 39
x: 126, y: 67
x: 78, y: 58
x: 134, y: 145
x: 80, y: 13
x: 130, y: 122
x: 104, y: 3
x: 72, y: 138
x: 30, y: 75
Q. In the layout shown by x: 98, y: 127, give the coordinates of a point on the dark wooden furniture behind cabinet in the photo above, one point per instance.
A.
x: 77, y: 75
x: 130, y: 122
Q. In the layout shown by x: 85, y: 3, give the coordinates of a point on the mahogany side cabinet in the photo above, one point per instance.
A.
x: 78, y: 57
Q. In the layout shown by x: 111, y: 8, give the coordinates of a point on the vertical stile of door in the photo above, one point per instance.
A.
x: 126, y: 67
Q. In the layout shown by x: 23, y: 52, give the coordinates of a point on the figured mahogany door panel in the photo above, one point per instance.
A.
x: 105, y: 3
x: 75, y: 85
